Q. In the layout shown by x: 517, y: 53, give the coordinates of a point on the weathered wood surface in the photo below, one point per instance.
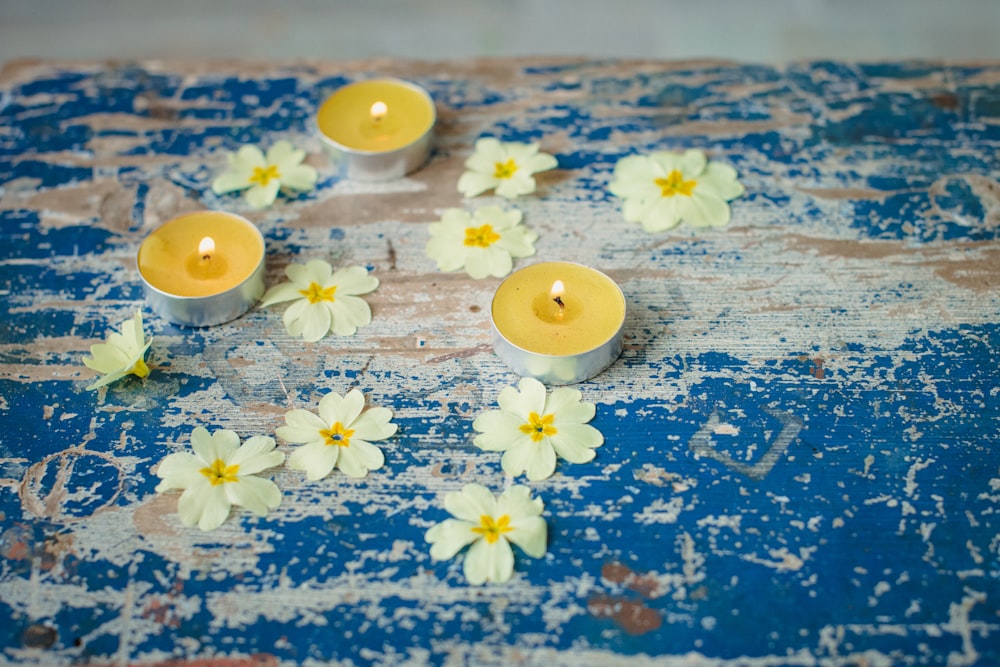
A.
x: 801, y: 463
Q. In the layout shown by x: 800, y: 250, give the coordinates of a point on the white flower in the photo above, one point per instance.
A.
x: 506, y: 167
x: 220, y: 474
x: 531, y: 429
x: 122, y: 355
x: 664, y: 188
x: 491, y: 524
x: 325, y: 300
x: 338, y: 437
x: 483, y: 243
x: 264, y: 176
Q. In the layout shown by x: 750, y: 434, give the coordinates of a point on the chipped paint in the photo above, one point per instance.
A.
x: 800, y: 463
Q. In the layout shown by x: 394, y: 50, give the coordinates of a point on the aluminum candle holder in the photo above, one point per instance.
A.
x: 558, y: 322
x: 190, y: 284
x: 377, y: 130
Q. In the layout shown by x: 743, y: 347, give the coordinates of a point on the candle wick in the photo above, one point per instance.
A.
x: 206, y: 258
x: 559, y: 300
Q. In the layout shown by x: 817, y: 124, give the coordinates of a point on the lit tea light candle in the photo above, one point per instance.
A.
x: 202, y: 268
x: 377, y: 130
x: 558, y: 322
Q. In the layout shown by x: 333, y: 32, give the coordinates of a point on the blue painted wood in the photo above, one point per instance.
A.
x: 801, y: 463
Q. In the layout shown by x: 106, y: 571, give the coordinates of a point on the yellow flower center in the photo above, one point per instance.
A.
x: 491, y: 529
x: 263, y: 175
x: 674, y: 184
x: 338, y: 435
x: 219, y: 473
x: 539, y: 427
x: 139, y: 368
x: 481, y: 237
x: 505, y: 169
x: 317, y: 293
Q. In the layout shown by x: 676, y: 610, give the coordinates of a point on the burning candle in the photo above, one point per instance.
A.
x: 202, y: 268
x: 377, y: 130
x: 558, y: 322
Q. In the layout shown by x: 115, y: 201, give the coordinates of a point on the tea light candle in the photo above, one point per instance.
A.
x: 203, y: 268
x: 377, y: 130
x: 558, y: 322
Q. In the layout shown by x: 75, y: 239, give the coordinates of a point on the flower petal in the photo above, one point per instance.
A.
x: 314, y: 322
x: 314, y: 271
x: 204, y: 505
x: 531, y: 534
x: 211, y: 447
x: 359, y: 458
x: 232, y: 181
x: 489, y: 562
x: 373, y: 424
x: 521, y: 183
x: 492, y: 261
x: 574, y: 447
x: 353, y: 280
x: 498, y: 430
x: 473, y: 183
x: 449, y: 537
x: 248, y: 157
x: 527, y: 398
x: 179, y: 471
x: 348, y: 313
x: 256, y: 454
x: 283, y: 154
x: 279, y: 293
x: 471, y: 503
x: 567, y: 407
x: 301, y: 177
x: 304, y: 420
x: 262, y: 196
x: 707, y: 210
x: 536, y: 459
x: 517, y: 503
x: 538, y: 162
x: 256, y: 494
x: 315, y: 459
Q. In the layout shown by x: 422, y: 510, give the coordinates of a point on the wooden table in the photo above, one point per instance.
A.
x: 801, y: 463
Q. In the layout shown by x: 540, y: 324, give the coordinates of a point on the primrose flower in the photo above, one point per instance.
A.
x: 505, y: 167
x: 490, y: 524
x: 262, y: 176
x: 531, y: 429
x: 123, y: 354
x: 338, y: 437
x: 324, y: 300
x: 219, y: 474
x: 483, y: 243
x: 664, y: 188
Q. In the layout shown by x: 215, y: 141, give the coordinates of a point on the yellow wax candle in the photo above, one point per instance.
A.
x: 201, y: 254
x: 376, y: 116
x: 558, y: 308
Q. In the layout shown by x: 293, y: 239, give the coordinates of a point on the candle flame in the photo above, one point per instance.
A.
x: 558, y: 289
x: 379, y: 110
x: 206, y: 247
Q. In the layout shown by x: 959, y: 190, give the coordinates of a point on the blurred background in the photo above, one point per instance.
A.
x: 746, y: 30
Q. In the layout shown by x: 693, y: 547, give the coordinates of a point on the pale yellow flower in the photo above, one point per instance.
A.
x: 339, y: 436
x: 324, y: 300
x: 507, y: 168
x: 490, y: 524
x: 219, y: 474
x: 483, y: 243
x: 263, y: 176
x: 122, y: 355
x: 532, y: 429
x: 664, y: 188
